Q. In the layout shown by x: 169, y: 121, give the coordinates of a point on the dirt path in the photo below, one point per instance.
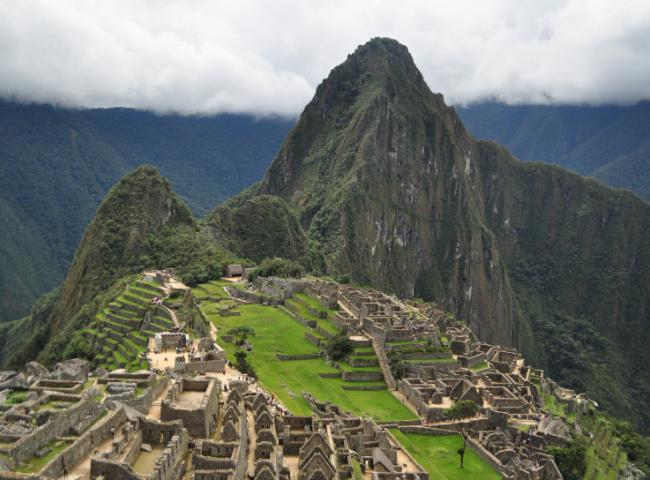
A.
x: 172, y: 314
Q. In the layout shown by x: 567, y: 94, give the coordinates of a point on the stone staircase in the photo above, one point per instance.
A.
x: 383, y: 364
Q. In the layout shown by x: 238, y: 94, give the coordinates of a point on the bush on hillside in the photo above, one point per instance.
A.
x: 339, y: 347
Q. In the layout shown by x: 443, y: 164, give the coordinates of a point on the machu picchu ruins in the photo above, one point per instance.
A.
x: 173, y: 405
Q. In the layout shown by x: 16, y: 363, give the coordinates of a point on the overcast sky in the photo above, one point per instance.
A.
x: 267, y: 56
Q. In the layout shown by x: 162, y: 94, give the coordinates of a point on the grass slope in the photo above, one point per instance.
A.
x: 276, y: 332
x: 438, y: 455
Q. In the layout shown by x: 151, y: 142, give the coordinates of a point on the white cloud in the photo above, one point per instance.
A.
x: 266, y: 57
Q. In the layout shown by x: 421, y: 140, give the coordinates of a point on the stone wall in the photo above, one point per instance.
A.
x: 362, y: 376
x: 306, y: 356
x: 199, y: 421
x: 60, y: 423
x: 364, y: 387
x: 112, y: 469
x: 217, y: 365
x: 144, y: 401
x: 312, y: 339
x: 484, y: 454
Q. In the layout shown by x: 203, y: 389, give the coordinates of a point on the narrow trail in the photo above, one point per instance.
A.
x: 172, y: 314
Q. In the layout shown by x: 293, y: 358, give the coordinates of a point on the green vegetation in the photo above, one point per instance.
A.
x: 396, y: 364
x: 479, y: 367
x: 140, y: 224
x: 278, y: 267
x: 240, y: 340
x: 438, y: 455
x: 16, y: 397
x: 461, y: 410
x: 56, y: 164
x: 569, y: 257
x: 259, y: 228
x: 339, y: 347
x: 606, y: 142
x: 356, y: 470
x: 278, y: 333
x: 572, y: 459
x: 604, y: 447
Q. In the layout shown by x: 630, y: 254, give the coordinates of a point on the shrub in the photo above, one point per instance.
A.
x: 339, y: 347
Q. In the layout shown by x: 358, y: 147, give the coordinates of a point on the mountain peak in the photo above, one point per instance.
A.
x: 142, y: 203
x: 379, y: 62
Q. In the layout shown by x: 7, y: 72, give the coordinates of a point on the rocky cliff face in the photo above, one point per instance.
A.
x: 392, y: 190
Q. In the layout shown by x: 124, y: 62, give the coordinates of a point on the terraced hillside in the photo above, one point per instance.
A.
x: 122, y: 330
x: 287, y: 357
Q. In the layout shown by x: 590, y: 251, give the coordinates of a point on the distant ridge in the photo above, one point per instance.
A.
x: 610, y: 143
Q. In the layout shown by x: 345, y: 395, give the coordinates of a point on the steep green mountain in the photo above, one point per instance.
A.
x: 393, y: 191
x: 57, y: 164
x: 607, y: 142
x: 140, y: 224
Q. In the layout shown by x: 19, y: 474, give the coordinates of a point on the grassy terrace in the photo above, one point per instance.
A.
x: 116, y: 332
x: 302, y: 310
x: 276, y: 332
x: 438, y: 456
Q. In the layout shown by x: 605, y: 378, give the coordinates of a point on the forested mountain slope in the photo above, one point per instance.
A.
x: 57, y: 164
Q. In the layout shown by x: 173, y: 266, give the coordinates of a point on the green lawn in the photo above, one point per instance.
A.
x: 277, y: 332
x: 438, y: 455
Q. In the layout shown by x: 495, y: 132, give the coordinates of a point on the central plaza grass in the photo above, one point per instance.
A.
x: 438, y: 455
x: 276, y: 332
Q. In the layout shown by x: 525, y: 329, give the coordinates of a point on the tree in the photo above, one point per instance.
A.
x: 242, y: 364
x: 339, y: 346
x: 240, y: 335
x: 461, y: 410
x: 461, y: 451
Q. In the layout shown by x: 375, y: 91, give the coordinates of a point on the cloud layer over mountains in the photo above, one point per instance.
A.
x: 266, y: 57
